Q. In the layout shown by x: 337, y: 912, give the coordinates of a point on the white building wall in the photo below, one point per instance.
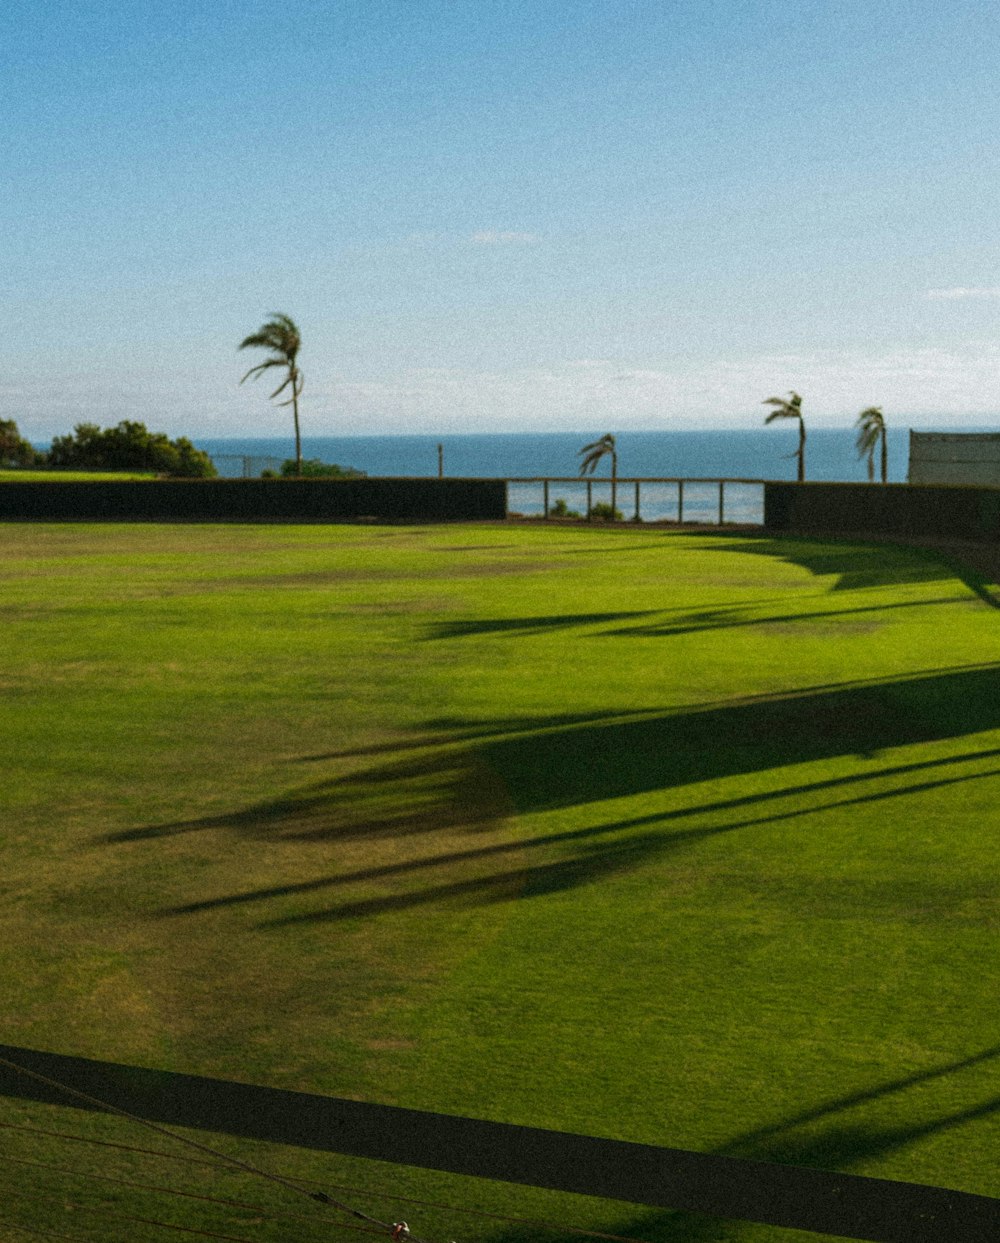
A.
x: 955, y: 457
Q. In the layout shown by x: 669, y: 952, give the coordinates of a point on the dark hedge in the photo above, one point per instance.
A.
x: 937, y: 511
x: 255, y: 500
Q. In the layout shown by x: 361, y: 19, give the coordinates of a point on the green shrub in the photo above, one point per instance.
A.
x: 603, y: 511
x: 13, y: 450
x: 560, y: 509
x: 129, y: 446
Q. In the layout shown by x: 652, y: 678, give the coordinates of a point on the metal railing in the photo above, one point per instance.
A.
x: 713, y: 512
x: 243, y: 466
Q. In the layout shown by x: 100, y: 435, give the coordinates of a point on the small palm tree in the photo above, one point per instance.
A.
x: 790, y: 408
x: 871, y: 431
x: 281, y: 336
x: 593, y: 454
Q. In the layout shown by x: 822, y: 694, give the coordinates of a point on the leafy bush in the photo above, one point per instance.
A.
x: 559, y: 509
x: 13, y: 450
x: 602, y: 510
x: 129, y: 446
x: 313, y: 468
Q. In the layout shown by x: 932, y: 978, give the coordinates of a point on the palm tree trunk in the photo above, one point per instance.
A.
x: 802, y: 450
x: 295, y: 415
x: 614, y: 484
x: 885, y: 459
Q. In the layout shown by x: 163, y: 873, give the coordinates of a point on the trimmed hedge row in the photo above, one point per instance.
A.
x: 936, y: 511
x: 255, y: 500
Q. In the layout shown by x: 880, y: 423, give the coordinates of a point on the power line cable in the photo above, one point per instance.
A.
x: 42, y: 1234
x: 146, y: 1221
x: 539, y: 1223
x: 263, y: 1213
x: 397, y: 1231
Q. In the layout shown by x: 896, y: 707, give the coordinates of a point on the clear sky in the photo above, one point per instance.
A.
x: 489, y: 216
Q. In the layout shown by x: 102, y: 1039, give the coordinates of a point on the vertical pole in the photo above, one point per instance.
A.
x: 680, y: 500
x: 637, y: 501
x: 722, y: 489
x: 440, y: 461
x: 545, y: 497
x: 590, y: 488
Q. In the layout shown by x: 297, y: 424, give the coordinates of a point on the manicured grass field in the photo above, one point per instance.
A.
x: 683, y: 839
x: 73, y: 476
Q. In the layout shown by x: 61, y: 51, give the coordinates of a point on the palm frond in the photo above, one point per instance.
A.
x: 294, y: 378
x: 280, y: 333
x: 606, y: 444
x: 595, y: 451
x: 792, y: 404
x: 870, y: 425
x: 867, y: 440
x: 262, y: 367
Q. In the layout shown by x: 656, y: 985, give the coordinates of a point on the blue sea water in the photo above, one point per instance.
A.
x: 759, y: 453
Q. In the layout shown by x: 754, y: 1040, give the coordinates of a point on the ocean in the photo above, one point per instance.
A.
x: 759, y: 453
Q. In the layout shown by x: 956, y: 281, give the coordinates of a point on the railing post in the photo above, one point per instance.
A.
x: 637, y: 518
x: 680, y: 501
x: 590, y: 489
x: 545, y: 497
x: 722, y: 489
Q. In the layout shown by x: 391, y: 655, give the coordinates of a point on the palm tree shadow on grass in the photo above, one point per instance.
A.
x: 855, y: 565
x: 616, y: 759
x: 449, y: 786
x: 823, y: 1137
x: 472, y: 789
x: 742, y: 616
x: 446, y: 730
x: 570, y: 764
x: 861, y: 565
x: 602, y: 851
x: 674, y: 621
x: 530, y: 625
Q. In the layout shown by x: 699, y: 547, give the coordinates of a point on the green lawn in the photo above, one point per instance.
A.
x: 682, y: 839
x: 75, y: 476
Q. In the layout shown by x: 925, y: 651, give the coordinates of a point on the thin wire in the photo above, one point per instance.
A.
x: 359, y: 1191
x: 45, y: 1234
x: 147, y: 1221
x: 263, y: 1212
x: 397, y: 1230
x: 107, y: 1143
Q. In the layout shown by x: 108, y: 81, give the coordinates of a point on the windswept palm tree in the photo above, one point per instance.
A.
x: 871, y: 431
x: 790, y: 408
x: 593, y: 454
x: 281, y: 336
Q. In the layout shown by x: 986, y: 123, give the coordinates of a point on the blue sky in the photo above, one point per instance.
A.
x: 492, y: 216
